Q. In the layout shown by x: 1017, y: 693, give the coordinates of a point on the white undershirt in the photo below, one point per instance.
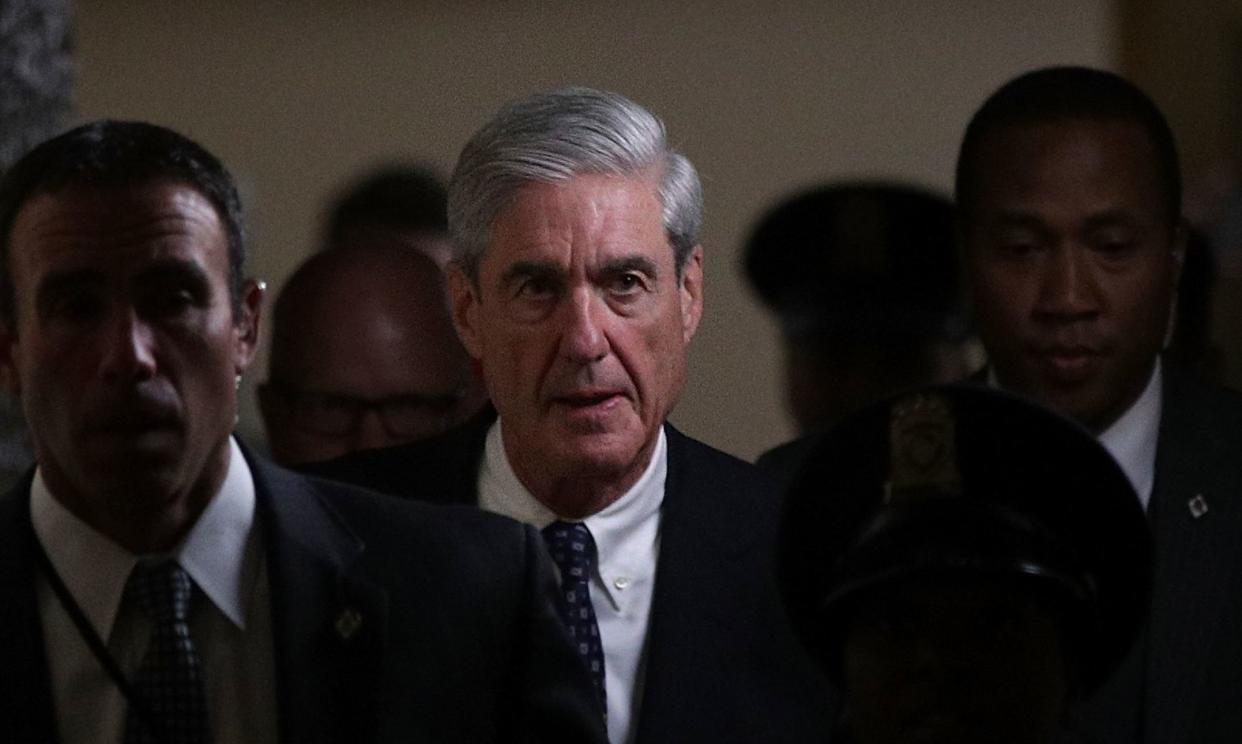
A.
x: 627, y: 540
x: 1132, y: 438
x: 230, y: 619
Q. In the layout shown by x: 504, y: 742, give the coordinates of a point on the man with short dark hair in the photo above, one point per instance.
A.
x: 577, y: 285
x: 1069, y: 212
x: 162, y: 584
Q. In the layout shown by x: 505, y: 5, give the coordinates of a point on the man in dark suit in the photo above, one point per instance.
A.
x: 1069, y: 211
x: 577, y: 284
x: 162, y: 585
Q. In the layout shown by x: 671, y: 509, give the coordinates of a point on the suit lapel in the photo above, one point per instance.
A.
x: 26, y: 707
x: 329, y: 626
x: 699, y: 542
x: 1194, y: 558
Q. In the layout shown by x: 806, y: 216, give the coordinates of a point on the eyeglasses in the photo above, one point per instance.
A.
x: 333, y: 414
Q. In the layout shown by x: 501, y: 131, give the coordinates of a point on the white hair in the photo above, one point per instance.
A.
x: 554, y: 136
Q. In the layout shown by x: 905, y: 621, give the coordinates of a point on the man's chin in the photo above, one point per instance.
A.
x: 1085, y: 403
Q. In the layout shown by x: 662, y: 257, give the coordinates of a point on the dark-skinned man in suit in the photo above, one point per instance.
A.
x: 1070, y: 223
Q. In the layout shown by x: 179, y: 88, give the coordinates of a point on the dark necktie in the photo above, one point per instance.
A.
x: 573, y: 551
x: 169, y: 682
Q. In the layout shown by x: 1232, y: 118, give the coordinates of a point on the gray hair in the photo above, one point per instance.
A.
x: 554, y: 136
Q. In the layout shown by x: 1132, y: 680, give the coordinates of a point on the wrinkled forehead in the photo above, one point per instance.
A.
x: 586, y: 211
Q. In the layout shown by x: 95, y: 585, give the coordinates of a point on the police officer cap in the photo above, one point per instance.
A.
x: 966, y: 481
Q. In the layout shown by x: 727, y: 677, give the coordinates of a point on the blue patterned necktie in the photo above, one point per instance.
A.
x: 573, y: 551
x: 170, y: 679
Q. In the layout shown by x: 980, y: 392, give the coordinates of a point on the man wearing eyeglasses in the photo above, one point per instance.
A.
x: 364, y: 355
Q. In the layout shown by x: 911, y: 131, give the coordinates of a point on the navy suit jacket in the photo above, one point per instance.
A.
x: 458, y: 641
x: 721, y: 662
x: 1182, y: 684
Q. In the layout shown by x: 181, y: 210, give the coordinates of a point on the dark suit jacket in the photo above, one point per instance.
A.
x: 721, y: 663
x: 1183, y: 682
x: 458, y: 640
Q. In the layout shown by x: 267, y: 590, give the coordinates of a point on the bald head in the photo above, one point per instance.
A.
x: 363, y: 355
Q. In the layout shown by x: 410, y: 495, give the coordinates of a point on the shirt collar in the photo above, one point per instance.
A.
x: 501, y: 491
x: 613, y: 528
x: 1132, y: 438
x: 95, y: 568
x: 618, y: 528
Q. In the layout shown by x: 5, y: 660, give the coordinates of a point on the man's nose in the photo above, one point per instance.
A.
x: 1068, y: 289
x: 129, y: 348
x: 583, y: 339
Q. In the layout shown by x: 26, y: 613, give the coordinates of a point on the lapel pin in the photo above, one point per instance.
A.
x: 1198, y: 506
x: 348, y: 623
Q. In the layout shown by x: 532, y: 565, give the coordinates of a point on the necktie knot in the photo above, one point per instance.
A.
x: 572, y: 549
x: 161, y: 590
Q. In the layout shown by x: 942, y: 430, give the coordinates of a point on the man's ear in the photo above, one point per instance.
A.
x: 1180, y: 237
x: 690, y: 290
x: 246, y: 324
x: 1181, y: 234
x: 464, y: 301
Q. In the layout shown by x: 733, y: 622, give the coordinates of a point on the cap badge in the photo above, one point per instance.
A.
x: 922, y: 450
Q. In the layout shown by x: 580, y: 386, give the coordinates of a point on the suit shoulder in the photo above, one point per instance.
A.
x: 784, y: 460
x: 378, y: 469
x: 371, y: 515
x: 706, y: 460
x: 1224, y: 401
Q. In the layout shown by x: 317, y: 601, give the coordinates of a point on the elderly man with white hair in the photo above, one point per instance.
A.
x: 577, y: 284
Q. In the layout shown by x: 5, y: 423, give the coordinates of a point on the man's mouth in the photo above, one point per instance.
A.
x: 1069, y: 364
x: 135, y: 420
x: 589, y: 400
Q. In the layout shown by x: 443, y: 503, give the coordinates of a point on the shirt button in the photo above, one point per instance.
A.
x: 621, y: 582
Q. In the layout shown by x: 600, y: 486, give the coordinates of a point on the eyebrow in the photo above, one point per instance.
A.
x: 624, y: 264
x: 1105, y: 218
x: 527, y: 269
x: 165, y: 270
x: 173, y: 270
x: 1019, y: 219
x: 59, y: 282
x: 1112, y: 218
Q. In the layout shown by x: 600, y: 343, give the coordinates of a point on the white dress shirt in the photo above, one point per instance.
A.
x: 1132, y: 438
x: 230, y: 618
x: 627, y: 541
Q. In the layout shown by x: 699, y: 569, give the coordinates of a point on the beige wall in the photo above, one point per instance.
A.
x: 1188, y: 55
x: 764, y: 97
